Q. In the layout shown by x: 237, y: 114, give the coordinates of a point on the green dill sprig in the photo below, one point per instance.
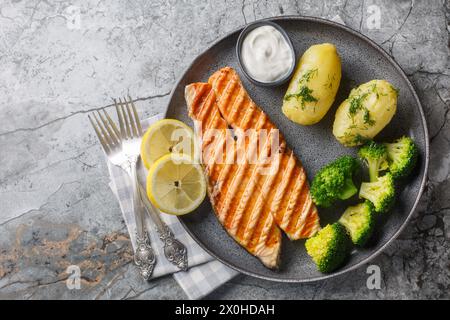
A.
x: 356, y: 103
x: 367, y: 119
x: 396, y: 90
x: 329, y: 84
x: 304, y: 92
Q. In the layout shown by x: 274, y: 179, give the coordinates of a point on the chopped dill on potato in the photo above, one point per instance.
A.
x: 359, y: 139
x: 304, y: 92
x: 367, y: 119
x: 367, y: 110
x: 308, y: 75
x: 314, y: 85
x: 356, y: 103
x: 396, y: 90
x: 329, y: 84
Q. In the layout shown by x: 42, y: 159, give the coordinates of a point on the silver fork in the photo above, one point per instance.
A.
x: 131, y: 133
x: 174, y: 251
x: 120, y: 147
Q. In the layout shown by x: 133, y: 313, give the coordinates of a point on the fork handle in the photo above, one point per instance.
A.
x: 175, y: 252
x: 144, y: 256
x: 137, y: 205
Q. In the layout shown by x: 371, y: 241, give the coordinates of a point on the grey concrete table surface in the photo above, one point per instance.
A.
x: 60, y: 60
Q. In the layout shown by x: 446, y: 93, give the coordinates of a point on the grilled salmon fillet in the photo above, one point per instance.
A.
x: 237, y: 191
x: 289, y: 202
x: 252, y: 200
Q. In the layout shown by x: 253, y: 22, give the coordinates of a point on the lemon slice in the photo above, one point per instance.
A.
x: 175, y: 185
x: 166, y: 136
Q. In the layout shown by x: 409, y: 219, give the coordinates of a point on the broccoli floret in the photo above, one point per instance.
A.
x: 329, y: 247
x: 359, y: 221
x: 381, y: 192
x: 402, y: 155
x: 334, y: 181
x: 375, y: 157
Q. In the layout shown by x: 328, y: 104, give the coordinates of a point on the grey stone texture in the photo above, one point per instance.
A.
x: 60, y: 60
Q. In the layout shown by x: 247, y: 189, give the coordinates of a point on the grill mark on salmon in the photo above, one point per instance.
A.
x: 261, y: 232
x: 252, y: 216
x: 288, y: 206
x: 238, y: 103
x: 249, y: 229
x: 247, y: 202
x: 291, y: 215
x: 237, y: 178
x: 288, y: 194
x: 302, y: 208
x: 223, y: 183
x: 244, y: 179
x: 245, y: 189
x: 251, y: 206
x: 280, y: 189
x: 263, y: 208
x: 228, y: 94
x: 310, y: 224
x: 224, y: 174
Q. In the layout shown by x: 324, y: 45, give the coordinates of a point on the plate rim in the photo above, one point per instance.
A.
x: 401, y: 72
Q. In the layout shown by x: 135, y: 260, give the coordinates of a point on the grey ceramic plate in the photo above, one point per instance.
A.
x: 362, y: 60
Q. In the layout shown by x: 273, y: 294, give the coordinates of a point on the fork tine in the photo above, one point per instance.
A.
x: 112, y: 123
x: 131, y: 118
x: 104, y: 133
x: 136, y: 117
x: 125, y: 118
x: 120, y: 117
x: 112, y: 137
x: 113, y: 126
x: 99, y: 135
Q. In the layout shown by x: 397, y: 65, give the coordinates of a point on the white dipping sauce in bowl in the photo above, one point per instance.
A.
x: 266, y: 55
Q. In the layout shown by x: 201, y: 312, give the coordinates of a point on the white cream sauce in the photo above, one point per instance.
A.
x: 266, y: 55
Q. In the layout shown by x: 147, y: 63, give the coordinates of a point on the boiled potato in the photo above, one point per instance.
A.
x: 313, y: 87
x: 366, y: 111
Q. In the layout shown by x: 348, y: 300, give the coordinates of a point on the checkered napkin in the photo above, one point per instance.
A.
x: 204, y: 275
